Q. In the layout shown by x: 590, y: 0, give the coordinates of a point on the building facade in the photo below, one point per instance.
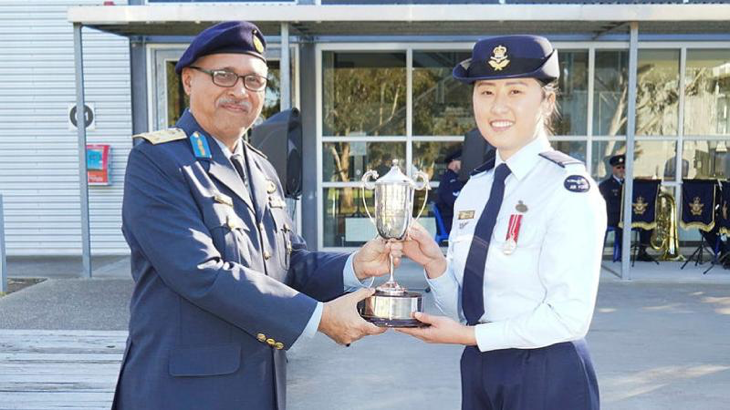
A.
x: 373, y: 83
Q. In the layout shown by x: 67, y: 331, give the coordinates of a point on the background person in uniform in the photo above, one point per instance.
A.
x: 449, y: 187
x: 223, y: 286
x: 524, y: 253
x: 612, y: 190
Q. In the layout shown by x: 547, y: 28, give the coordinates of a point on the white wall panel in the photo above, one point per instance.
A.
x: 38, y: 153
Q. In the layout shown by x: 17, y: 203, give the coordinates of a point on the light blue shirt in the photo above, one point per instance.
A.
x: 351, y: 283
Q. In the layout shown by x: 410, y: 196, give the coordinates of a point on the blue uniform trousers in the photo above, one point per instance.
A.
x: 556, y: 377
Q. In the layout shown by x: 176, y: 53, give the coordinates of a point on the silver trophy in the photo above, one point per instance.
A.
x: 393, y: 305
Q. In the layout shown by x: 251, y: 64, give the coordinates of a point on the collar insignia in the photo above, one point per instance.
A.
x: 499, y: 59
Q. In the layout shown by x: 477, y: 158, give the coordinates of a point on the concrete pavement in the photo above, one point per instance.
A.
x: 660, y: 341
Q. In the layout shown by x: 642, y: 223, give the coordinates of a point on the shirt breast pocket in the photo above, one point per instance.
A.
x: 228, y: 232
x: 530, y: 232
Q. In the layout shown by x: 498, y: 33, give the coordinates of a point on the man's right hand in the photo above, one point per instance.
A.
x: 341, y: 322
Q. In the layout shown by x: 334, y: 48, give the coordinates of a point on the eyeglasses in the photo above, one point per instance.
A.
x: 225, y: 78
x: 619, y: 167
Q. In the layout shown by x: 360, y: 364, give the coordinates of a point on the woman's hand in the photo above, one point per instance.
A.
x: 442, y: 330
x: 420, y: 247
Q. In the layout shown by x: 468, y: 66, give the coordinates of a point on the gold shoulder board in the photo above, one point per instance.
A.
x: 159, y: 137
x: 254, y: 149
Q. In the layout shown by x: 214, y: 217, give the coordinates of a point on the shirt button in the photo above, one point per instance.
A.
x: 261, y: 337
x: 262, y: 227
x: 279, y: 345
x: 267, y: 255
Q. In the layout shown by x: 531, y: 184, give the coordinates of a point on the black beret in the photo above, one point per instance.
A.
x: 455, y: 154
x: 617, y: 160
x: 235, y: 37
x: 510, y: 57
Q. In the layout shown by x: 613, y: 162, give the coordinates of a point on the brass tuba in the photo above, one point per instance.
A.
x: 666, y: 236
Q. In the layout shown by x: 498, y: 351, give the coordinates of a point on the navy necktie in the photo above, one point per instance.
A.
x: 472, y: 295
x: 237, y: 161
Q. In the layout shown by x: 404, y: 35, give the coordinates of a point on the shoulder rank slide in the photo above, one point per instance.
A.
x: 162, y: 136
x: 200, y: 146
x: 559, y: 158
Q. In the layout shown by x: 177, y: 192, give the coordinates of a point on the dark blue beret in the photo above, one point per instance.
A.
x: 236, y: 37
x: 510, y: 57
x: 617, y: 160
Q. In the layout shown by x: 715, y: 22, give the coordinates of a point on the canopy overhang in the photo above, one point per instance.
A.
x: 446, y: 19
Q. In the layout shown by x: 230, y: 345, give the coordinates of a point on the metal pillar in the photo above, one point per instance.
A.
x: 3, y: 261
x: 81, y: 128
x: 630, y: 138
x: 285, y: 69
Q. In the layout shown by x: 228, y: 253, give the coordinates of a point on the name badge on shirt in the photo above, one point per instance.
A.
x: 466, y: 215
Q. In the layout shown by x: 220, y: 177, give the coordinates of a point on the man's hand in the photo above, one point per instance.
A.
x: 422, y: 249
x: 341, y: 322
x: 373, y: 259
x: 442, y: 330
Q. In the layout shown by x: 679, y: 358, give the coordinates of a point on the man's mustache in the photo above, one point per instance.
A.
x: 232, y: 101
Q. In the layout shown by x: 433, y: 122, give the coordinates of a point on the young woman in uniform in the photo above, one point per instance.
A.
x: 520, y: 278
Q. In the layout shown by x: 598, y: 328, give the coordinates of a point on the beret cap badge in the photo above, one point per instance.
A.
x: 499, y: 59
x: 257, y: 42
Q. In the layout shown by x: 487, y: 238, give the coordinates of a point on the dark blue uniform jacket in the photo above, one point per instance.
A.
x: 222, y: 285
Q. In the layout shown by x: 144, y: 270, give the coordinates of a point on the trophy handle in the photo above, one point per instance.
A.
x: 366, y: 183
x: 423, y: 184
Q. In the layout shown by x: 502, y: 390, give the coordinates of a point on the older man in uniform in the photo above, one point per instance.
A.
x: 611, y: 189
x: 223, y: 286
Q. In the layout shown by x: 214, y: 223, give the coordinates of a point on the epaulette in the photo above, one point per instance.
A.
x: 254, y: 149
x: 560, y: 158
x: 161, y: 136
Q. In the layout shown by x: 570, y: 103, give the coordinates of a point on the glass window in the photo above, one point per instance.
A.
x: 602, y: 152
x: 609, y: 92
x: 657, y: 92
x: 706, y: 159
x: 573, y: 93
x: 576, y: 149
x: 346, y: 222
x: 429, y: 157
x: 348, y: 161
x: 655, y: 159
x: 177, y: 100
x: 441, y: 105
x: 707, y: 90
x: 364, y: 93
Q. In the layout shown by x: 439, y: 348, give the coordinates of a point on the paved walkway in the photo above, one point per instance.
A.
x: 660, y: 341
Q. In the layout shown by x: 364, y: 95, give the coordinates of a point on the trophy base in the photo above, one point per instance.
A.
x: 380, y: 322
x: 392, y: 309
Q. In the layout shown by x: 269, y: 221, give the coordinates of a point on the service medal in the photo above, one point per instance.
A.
x: 513, y: 232
x: 509, y: 246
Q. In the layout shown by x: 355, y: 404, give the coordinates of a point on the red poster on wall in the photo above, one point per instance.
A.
x: 98, y: 164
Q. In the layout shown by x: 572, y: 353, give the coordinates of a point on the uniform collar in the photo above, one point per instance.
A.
x: 620, y: 181
x: 228, y: 154
x: 522, y: 162
x: 189, y: 124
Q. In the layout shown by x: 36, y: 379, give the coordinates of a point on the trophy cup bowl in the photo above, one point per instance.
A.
x: 393, y: 305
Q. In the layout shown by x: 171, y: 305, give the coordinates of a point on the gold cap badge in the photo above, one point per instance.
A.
x: 257, y: 43
x: 499, y: 59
